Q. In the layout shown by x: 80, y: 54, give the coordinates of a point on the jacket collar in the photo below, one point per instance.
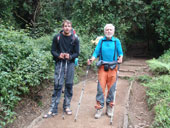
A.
x: 112, y: 39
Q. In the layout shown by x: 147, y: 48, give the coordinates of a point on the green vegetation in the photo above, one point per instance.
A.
x: 144, y: 79
x: 161, y: 65
x: 23, y: 65
x: 27, y: 28
x: 158, y: 90
x: 135, y: 20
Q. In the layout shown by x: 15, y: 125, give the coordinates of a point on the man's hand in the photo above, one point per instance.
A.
x: 120, y: 59
x: 90, y: 61
x: 67, y: 56
x: 61, y: 55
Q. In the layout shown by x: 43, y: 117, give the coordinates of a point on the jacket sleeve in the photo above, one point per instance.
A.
x: 119, y: 48
x: 76, y: 50
x: 54, y: 47
x: 97, y: 49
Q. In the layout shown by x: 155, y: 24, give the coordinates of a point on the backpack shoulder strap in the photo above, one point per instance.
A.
x: 100, y: 52
x: 74, y: 37
x: 58, y: 37
x: 114, y: 57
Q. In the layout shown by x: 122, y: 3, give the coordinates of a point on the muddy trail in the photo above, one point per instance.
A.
x: 130, y: 109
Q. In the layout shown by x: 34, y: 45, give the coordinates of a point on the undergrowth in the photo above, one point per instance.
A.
x: 158, y: 90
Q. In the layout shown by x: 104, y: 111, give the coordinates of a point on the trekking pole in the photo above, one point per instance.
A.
x: 65, y: 73
x: 82, y: 92
x: 111, y: 119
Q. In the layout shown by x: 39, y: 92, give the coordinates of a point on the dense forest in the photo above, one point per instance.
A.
x: 28, y: 26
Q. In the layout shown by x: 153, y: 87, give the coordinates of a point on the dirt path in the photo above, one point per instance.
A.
x: 130, y: 109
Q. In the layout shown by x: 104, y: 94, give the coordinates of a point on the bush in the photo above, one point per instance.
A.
x: 158, y: 93
x: 160, y: 65
x: 158, y: 90
x: 144, y: 79
x: 24, y: 63
x: 162, y: 114
x: 86, y: 50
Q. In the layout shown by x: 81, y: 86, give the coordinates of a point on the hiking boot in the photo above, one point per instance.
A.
x: 109, y: 111
x: 98, y: 113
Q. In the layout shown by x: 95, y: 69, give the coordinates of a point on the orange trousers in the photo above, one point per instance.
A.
x: 106, y: 78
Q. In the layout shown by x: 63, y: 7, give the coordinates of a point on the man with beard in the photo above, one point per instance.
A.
x: 65, y: 48
x: 109, y: 51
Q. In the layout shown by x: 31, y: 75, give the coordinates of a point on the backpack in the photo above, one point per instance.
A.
x: 73, y: 32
